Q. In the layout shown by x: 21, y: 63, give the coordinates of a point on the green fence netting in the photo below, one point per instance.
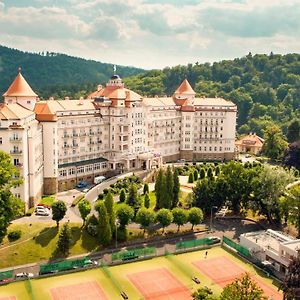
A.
x: 193, y: 243
x: 242, y: 250
x: 133, y: 253
x: 64, y: 265
x: 6, y: 274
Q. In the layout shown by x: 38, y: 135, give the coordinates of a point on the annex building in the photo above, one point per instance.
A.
x: 58, y: 143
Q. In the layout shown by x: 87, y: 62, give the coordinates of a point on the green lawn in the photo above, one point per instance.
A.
x: 47, y: 200
x: 42, y: 286
x: 38, y: 242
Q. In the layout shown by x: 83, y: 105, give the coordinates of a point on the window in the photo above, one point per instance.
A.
x: 0, y: 140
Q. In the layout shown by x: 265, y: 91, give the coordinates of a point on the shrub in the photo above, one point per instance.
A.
x: 14, y: 235
x: 101, y: 196
x: 112, y: 185
x: 29, y: 212
x: 195, y: 175
x: 105, y: 191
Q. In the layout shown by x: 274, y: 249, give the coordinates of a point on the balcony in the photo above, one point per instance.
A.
x: 16, y: 151
x: 15, y: 139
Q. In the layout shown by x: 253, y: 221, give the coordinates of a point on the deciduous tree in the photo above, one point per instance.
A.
x: 125, y: 214
x: 145, y: 217
x: 84, y: 207
x: 59, y: 210
x: 243, y: 288
x: 164, y: 217
x: 195, y: 216
x: 179, y: 216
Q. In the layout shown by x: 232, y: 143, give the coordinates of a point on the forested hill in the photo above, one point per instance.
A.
x: 266, y: 88
x: 58, y: 75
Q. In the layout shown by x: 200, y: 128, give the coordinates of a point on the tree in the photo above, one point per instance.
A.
x: 191, y: 178
x: 146, y: 188
x: 104, y: 228
x: 203, y: 294
x: 202, y: 173
x: 169, y: 185
x: 59, y: 210
x: 145, y: 217
x: 176, y: 188
x: 109, y: 204
x: 179, y: 216
x: 160, y: 189
x: 9, y: 177
x: 292, y: 154
x: 243, y: 288
x: 147, y: 200
x: 195, y: 216
x: 275, y: 143
x: 217, y: 170
x: 291, y: 284
x: 210, y: 174
x: 125, y: 214
x: 122, y: 196
x: 132, y: 196
x: 293, y: 131
x: 84, y: 207
x: 64, y: 240
x: 268, y: 186
x: 292, y: 202
x: 195, y: 175
x: 164, y: 217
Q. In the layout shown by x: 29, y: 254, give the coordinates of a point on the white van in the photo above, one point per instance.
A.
x: 99, y: 179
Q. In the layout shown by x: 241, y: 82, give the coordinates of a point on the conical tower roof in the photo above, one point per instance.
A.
x: 185, y: 88
x: 20, y: 88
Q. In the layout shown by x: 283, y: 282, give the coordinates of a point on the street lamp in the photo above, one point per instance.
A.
x: 211, y: 216
x: 117, y: 223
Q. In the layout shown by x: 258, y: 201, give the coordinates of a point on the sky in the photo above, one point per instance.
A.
x: 152, y: 33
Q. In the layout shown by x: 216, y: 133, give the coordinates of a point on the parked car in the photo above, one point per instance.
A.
x: 214, y: 239
x: 42, y: 211
x: 81, y: 184
x: 23, y: 275
x: 43, y: 205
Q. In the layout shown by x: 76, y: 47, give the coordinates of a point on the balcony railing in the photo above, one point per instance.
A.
x: 15, y: 139
x: 16, y: 151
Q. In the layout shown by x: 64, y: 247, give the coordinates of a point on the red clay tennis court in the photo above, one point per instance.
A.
x: 8, y: 298
x: 159, y: 284
x: 84, y: 291
x: 223, y: 271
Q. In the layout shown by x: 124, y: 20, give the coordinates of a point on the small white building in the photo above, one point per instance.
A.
x: 271, y: 246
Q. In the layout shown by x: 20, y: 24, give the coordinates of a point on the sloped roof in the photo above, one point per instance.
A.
x: 212, y: 102
x: 185, y: 88
x: 120, y: 93
x: 14, y: 111
x: 251, y: 140
x: 20, y: 88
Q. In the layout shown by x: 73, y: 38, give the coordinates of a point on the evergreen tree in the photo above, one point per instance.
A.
x: 159, y: 188
x: 109, y: 204
x: 147, y: 200
x: 195, y: 175
x: 146, y: 188
x: 293, y: 131
x: 132, y: 197
x: 169, y: 185
x: 122, y: 196
x: 191, y: 178
x: 291, y: 284
x: 104, y: 228
x: 202, y: 173
x: 176, y: 188
x: 210, y: 174
x: 217, y: 170
x: 64, y: 240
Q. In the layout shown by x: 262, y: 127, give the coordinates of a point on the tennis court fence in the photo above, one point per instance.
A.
x: 240, y: 249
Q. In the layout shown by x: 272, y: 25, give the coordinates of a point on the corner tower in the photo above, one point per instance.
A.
x: 20, y: 92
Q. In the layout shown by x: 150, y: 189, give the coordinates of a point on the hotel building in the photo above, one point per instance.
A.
x: 58, y: 143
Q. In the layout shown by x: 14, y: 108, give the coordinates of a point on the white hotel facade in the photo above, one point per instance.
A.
x: 57, y: 143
